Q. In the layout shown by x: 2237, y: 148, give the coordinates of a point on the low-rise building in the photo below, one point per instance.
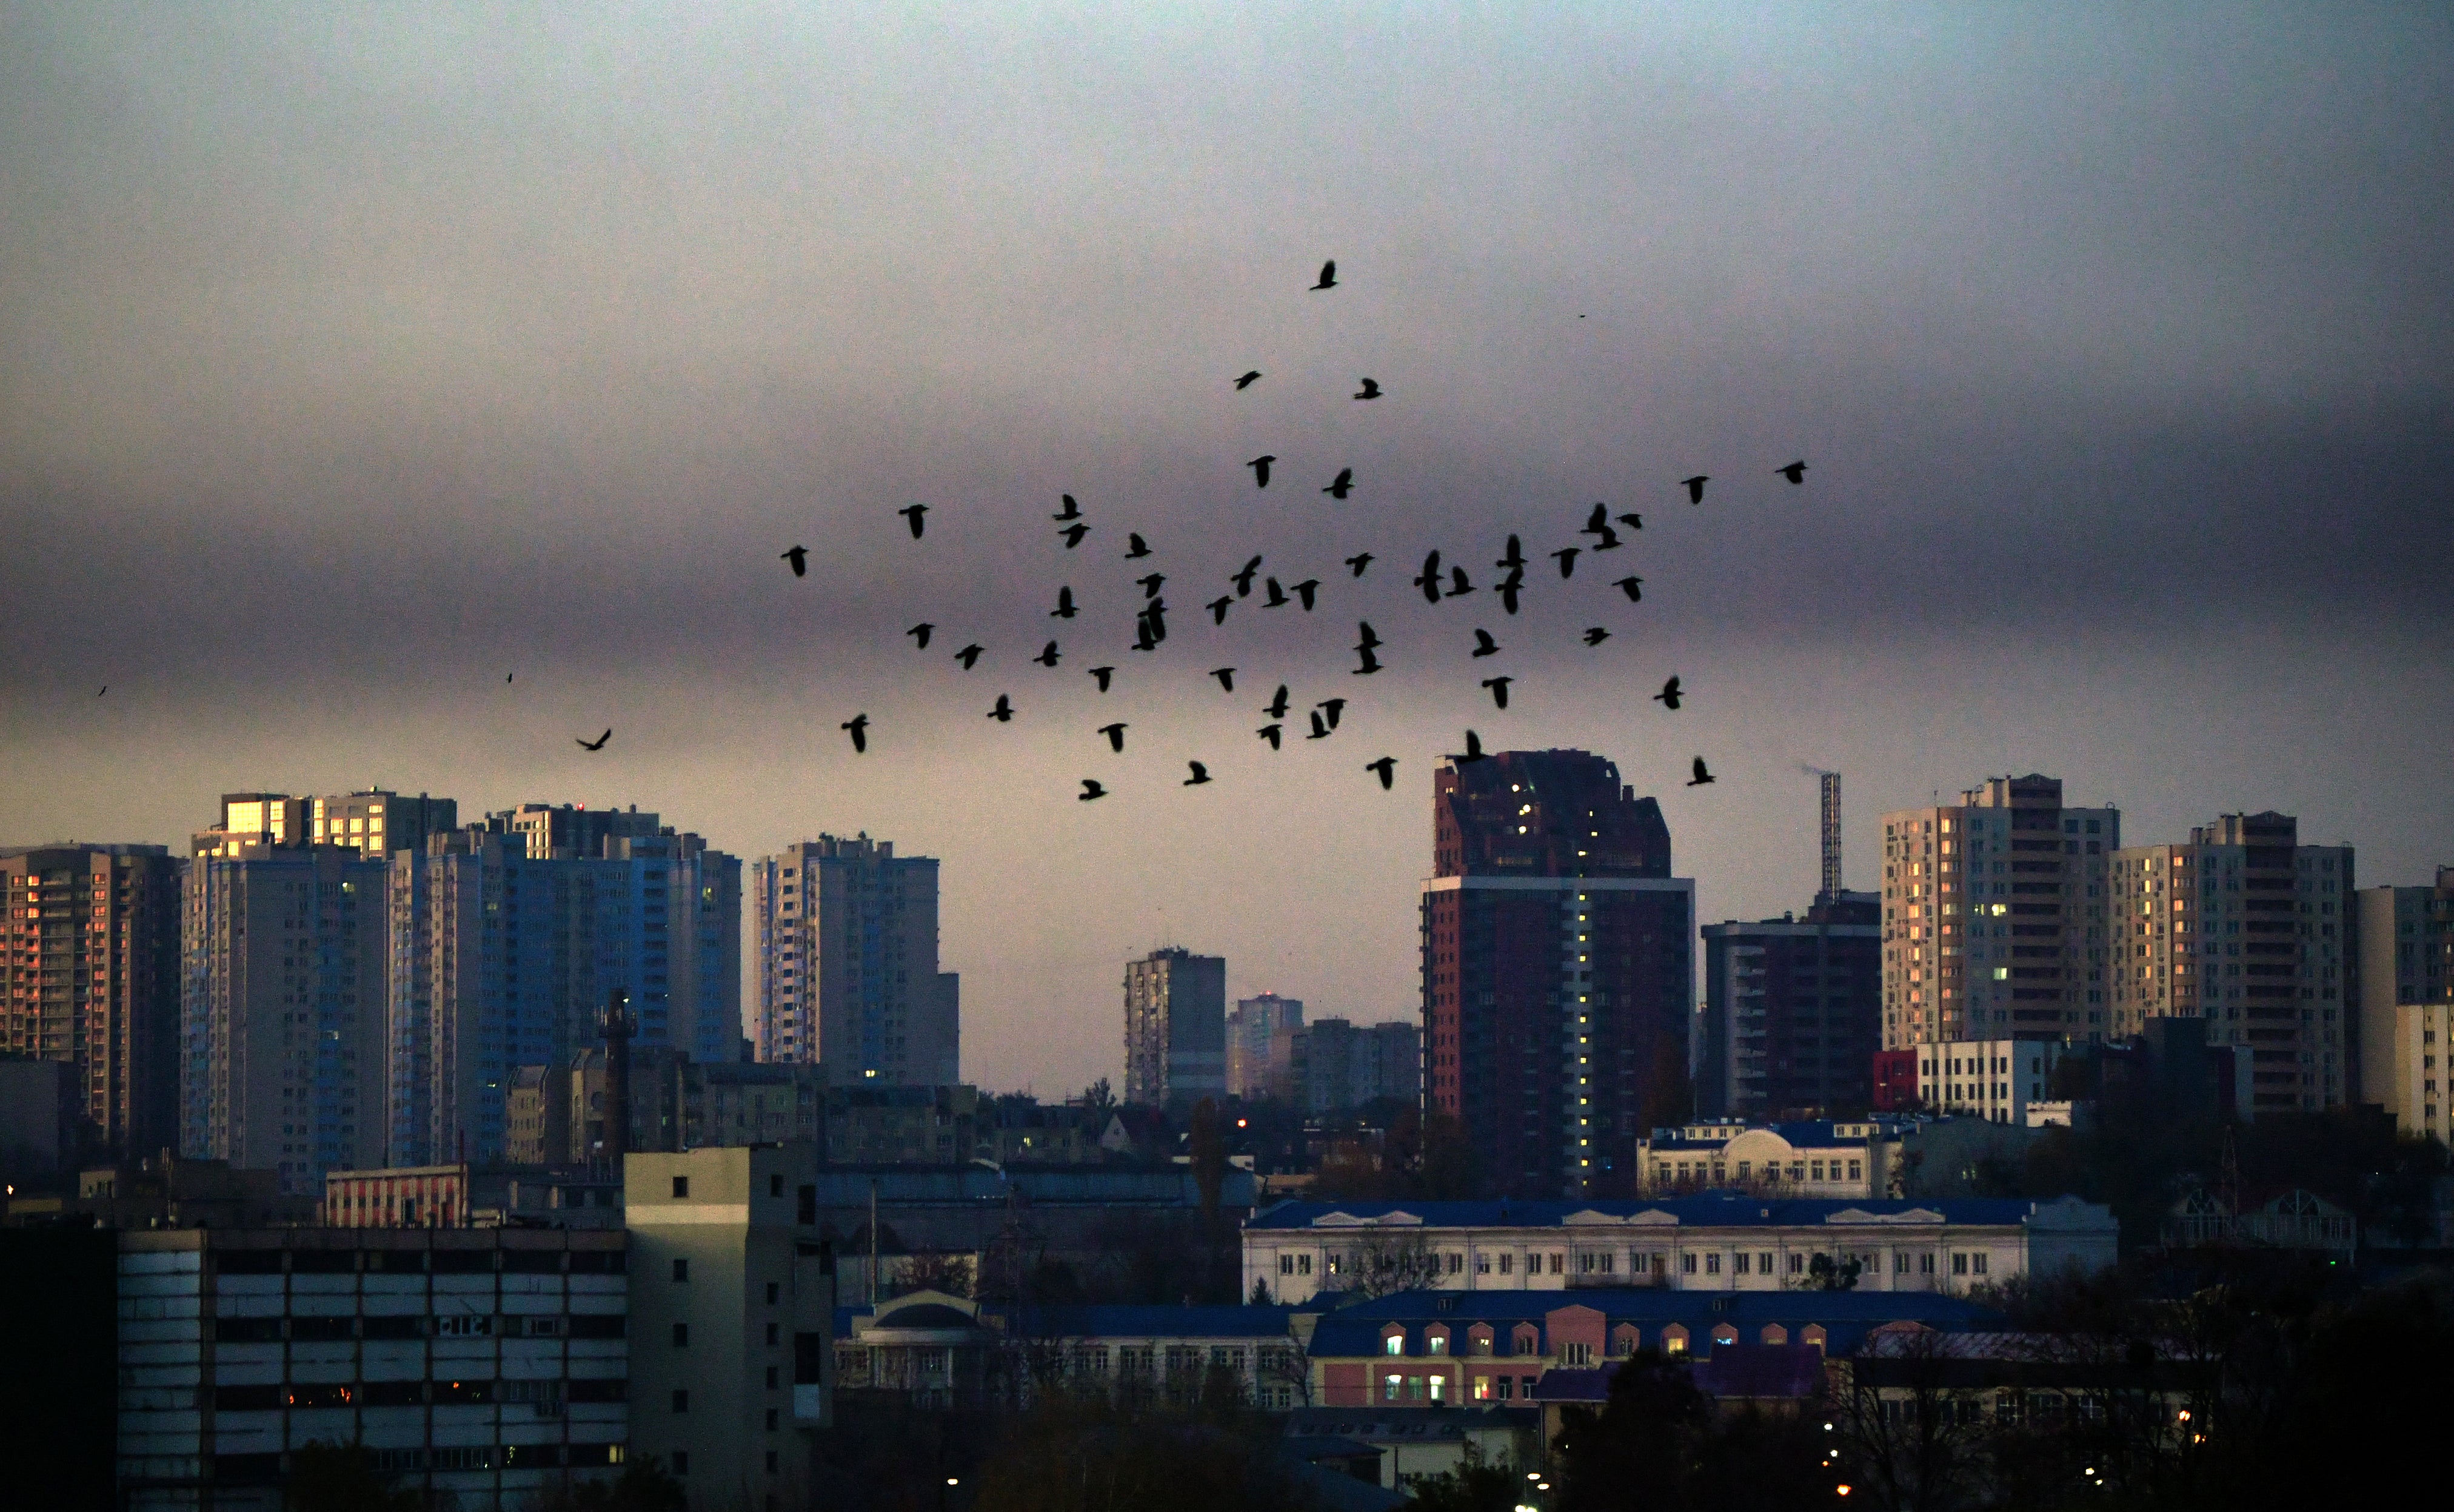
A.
x: 1719, y: 1242
x: 490, y: 1366
x: 1431, y: 1348
x: 1821, y: 1157
x: 1993, y: 1079
x: 1418, y: 1443
x: 465, y: 1196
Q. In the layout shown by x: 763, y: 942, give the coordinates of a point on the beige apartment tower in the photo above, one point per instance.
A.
x: 2253, y: 933
x: 846, y: 940
x: 1994, y: 916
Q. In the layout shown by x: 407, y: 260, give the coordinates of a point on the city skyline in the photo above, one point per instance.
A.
x: 400, y: 399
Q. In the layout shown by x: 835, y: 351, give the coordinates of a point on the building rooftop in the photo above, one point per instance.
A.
x: 1720, y: 1209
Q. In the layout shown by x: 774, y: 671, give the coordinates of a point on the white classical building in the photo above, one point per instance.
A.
x: 1813, y: 1157
x: 1718, y: 1242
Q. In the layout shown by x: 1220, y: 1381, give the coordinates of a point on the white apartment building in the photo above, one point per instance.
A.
x: 1994, y: 1079
x: 1817, y: 1158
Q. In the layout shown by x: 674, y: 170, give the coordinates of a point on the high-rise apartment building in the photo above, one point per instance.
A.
x: 846, y: 952
x: 2407, y: 960
x: 89, y: 976
x: 376, y: 822
x: 1558, y: 968
x: 1994, y: 916
x: 1793, y: 1013
x: 1176, y: 1026
x: 565, y: 831
x: 283, y: 976
x: 1256, y: 1029
x: 507, y: 945
x: 1334, y: 1066
x: 2253, y: 932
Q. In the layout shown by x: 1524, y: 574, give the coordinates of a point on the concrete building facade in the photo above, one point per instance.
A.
x: 2405, y: 960
x: 1793, y: 1012
x: 1998, y: 1081
x: 1557, y: 967
x: 376, y: 822
x: 846, y: 943
x: 89, y: 979
x: 1994, y: 916
x: 2252, y: 932
x: 1334, y: 1066
x: 731, y: 1312
x: 1176, y: 1026
x: 1257, y: 1028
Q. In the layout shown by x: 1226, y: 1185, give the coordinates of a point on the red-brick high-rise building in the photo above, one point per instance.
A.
x: 1557, y: 970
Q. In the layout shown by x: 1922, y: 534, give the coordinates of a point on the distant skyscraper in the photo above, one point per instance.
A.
x: 1334, y: 1066
x: 1176, y: 1026
x: 2253, y: 932
x: 1556, y: 971
x: 376, y: 822
x: 91, y: 976
x: 847, y: 951
x: 1254, y: 1025
x: 283, y: 980
x: 507, y: 944
x: 1830, y: 784
x: 563, y: 831
x: 2406, y: 961
x: 1994, y: 916
x: 1793, y: 1013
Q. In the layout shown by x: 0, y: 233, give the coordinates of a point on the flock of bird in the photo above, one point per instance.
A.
x: 1438, y: 581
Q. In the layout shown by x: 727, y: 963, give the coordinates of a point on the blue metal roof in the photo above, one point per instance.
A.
x: 1706, y: 1210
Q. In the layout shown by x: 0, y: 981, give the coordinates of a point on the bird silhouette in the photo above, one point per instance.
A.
x: 1155, y: 615
x: 1595, y: 634
x: 1003, y: 713
x: 1341, y: 485
x: 1370, y: 662
x: 921, y: 633
x: 1634, y: 522
x: 1150, y: 585
x: 1483, y: 644
x: 1387, y: 767
x: 911, y: 515
x: 799, y: 558
x: 1429, y: 579
x: 1144, y: 639
x: 1499, y: 687
x: 1226, y: 676
x: 1071, y: 512
x: 1091, y: 789
x: 1328, y: 275
x: 1243, y: 578
x: 1566, y: 557
x: 1260, y: 466
x: 969, y: 655
x: 1597, y: 520
x: 1357, y: 562
x: 1366, y: 638
x: 1795, y: 471
x: 1047, y: 657
x: 1064, y: 609
x: 1333, y: 707
x: 1371, y: 389
x: 1247, y: 380
x: 1219, y: 608
x: 105, y: 687
x: 597, y: 744
x: 1136, y: 548
x: 858, y: 726
x: 1457, y: 583
x: 1702, y: 776
x: 1103, y: 674
x: 1269, y: 733
x: 1606, y: 539
x: 1073, y: 535
x: 1278, y: 599
x: 1669, y: 695
x: 1305, y: 589
x: 1200, y: 775
x: 1276, y: 707
x: 1695, y: 486
x: 1510, y: 587
x: 1320, y: 727
x: 1116, y: 734
x: 1472, y: 751
x: 1633, y: 586
x: 1514, y: 557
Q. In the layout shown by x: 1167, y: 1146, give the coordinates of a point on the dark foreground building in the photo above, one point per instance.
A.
x: 1556, y: 971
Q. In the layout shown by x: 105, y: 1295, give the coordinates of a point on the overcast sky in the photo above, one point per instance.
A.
x: 349, y: 364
